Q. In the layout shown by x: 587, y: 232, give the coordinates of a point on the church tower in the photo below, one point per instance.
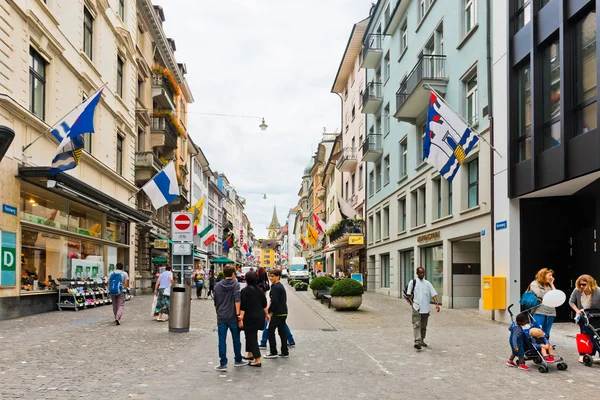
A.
x: 274, y: 228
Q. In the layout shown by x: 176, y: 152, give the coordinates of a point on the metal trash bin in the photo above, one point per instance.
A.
x: 179, y: 313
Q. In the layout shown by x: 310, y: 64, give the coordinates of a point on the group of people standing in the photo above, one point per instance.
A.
x: 204, y: 281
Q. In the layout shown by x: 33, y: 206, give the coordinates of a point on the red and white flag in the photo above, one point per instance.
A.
x: 320, y: 226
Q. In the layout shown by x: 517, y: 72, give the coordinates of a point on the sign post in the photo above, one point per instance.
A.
x: 182, y: 235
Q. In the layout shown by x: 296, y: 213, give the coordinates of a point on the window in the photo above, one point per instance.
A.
x: 122, y: 10
x: 370, y: 230
x: 353, y: 184
x: 438, y: 190
x: 88, y: 32
x: 360, y: 180
x: 449, y: 198
x: 551, y: 96
x: 403, y: 38
x: 386, y: 222
x: 413, y: 209
x: 354, y: 111
x: 140, y: 89
x: 422, y: 9
x: 422, y: 206
x: 473, y: 196
x: 403, y: 157
x: 371, y: 183
x: 378, y: 177
x: 385, y: 270
x: 585, y: 74
x: 402, y: 215
x: 119, y: 154
x: 120, y: 76
x: 523, y: 14
x: 347, y: 191
x: 386, y: 67
x: 37, y: 84
x: 420, y: 142
x: 407, y: 258
x: 470, y: 15
x: 524, y: 112
x: 377, y: 226
x: 386, y: 119
x: 471, y: 100
x: 386, y: 170
x: 386, y: 16
x: 140, y: 140
x: 432, y: 259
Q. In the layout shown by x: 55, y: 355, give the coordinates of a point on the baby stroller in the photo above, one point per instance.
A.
x: 532, y: 353
x: 590, y: 320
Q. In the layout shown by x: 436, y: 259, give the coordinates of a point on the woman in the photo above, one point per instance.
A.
x: 165, y: 280
x: 211, y: 284
x: 198, y: 277
x: 543, y: 283
x: 585, y: 296
x: 253, y: 313
x: 263, y: 280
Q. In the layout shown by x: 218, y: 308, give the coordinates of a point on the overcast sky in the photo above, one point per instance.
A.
x: 275, y: 59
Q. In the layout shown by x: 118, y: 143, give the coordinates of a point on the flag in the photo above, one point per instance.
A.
x: 163, y: 188
x: 302, y: 241
x: 319, y: 224
x: 197, y: 210
x: 208, y: 234
x: 448, y: 141
x: 68, y: 132
x: 312, y: 235
x: 228, y: 243
x: 246, y: 248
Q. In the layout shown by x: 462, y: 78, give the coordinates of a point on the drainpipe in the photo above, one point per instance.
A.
x: 488, y: 22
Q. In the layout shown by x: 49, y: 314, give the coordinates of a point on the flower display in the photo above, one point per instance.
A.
x: 168, y: 77
x: 171, y: 119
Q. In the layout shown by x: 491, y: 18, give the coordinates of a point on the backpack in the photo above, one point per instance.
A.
x: 405, y: 293
x: 529, y: 300
x: 115, y: 283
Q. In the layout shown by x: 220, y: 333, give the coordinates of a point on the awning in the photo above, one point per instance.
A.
x: 77, y: 190
x: 157, y: 260
x: 222, y: 260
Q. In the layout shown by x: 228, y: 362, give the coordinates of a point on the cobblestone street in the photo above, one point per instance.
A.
x: 364, y: 354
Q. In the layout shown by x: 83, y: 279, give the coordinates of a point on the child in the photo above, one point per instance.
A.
x: 540, y: 341
x: 517, y: 343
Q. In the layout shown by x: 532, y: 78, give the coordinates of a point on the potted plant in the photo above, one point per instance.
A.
x: 293, y: 282
x: 301, y: 286
x: 321, y: 285
x: 346, y: 294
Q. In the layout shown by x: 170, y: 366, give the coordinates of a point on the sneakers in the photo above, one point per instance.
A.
x: 511, y: 364
x: 549, y: 359
x: 270, y: 355
x: 117, y: 322
x: 423, y: 344
x: 283, y: 355
x: 241, y: 363
x: 417, y: 346
x: 221, y: 368
x: 262, y: 346
x: 524, y: 367
x: 291, y: 344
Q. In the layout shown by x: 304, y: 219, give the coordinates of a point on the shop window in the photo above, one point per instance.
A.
x: 116, y: 230
x: 432, y: 259
x: 585, y: 74
x: 84, y: 220
x: 407, y: 258
x: 523, y: 13
x: 43, y: 207
x: 385, y: 270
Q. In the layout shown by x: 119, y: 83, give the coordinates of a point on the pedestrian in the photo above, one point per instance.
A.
x: 198, y: 277
x: 278, y: 312
x: 517, y: 343
x: 227, y: 305
x: 543, y: 283
x: 253, y: 313
x: 211, y: 284
x: 585, y: 296
x: 118, y: 282
x: 165, y: 281
x: 263, y: 280
x: 421, y: 292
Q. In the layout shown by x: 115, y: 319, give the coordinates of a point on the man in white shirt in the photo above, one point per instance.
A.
x: 420, y: 298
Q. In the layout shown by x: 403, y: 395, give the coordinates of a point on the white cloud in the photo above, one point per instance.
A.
x: 275, y: 59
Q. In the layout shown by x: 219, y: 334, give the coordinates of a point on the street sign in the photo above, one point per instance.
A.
x: 182, y: 249
x: 182, y: 229
x: 161, y: 244
x: 501, y: 225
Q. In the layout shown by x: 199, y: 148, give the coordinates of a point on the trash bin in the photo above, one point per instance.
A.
x: 179, y: 314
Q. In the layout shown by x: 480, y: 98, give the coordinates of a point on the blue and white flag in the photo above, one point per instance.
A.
x: 163, y: 188
x: 69, y: 133
x: 448, y: 140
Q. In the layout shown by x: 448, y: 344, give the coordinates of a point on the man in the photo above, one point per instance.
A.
x: 227, y: 305
x: 118, y: 282
x: 278, y: 312
x: 420, y: 292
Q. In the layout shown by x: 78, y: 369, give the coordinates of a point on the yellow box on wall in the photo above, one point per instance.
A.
x: 494, y: 292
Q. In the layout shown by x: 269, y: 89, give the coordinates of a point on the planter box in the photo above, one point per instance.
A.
x: 301, y: 289
x: 319, y: 293
x: 346, y: 303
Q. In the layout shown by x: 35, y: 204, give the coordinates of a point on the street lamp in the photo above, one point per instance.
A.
x: 263, y: 127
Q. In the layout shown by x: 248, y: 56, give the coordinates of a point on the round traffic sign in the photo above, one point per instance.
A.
x: 182, y: 222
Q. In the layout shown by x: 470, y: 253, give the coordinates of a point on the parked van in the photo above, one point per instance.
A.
x: 299, y: 269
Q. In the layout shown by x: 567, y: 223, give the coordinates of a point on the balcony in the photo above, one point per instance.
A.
x: 339, y: 233
x: 348, y: 160
x: 163, y: 134
x: 413, y: 97
x: 147, y: 165
x: 372, y: 51
x: 182, y: 201
x: 321, y: 193
x: 371, y: 98
x: 162, y: 94
x: 371, y: 148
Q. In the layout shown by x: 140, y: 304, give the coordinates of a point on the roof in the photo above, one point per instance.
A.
x: 353, y: 49
x: 274, y: 221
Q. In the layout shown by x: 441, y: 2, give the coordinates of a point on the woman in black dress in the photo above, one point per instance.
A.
x: 253, y: 312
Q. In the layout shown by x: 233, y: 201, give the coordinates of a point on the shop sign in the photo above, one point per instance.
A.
x: 356, y: 239
x: 161, y: 244
x: 8, y: 259
x: 6, y: 209
x: 182, y: 229
x: 428, y: 237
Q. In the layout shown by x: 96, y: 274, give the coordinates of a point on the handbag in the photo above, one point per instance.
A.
x: 154, y: 301
x: 529, y: 299
x: 167, y: 291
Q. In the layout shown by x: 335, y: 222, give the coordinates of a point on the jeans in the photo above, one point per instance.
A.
x: 237, y: 345
x: 252, y: 342
x: 545, y: 321
x: 118, y: 303
x: 199, y: 290
x: 419, y: 322
x: 265, y: 336
x: 277, y: 323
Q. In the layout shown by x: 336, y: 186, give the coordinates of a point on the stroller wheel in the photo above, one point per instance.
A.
x: 562, y: 366
x: 587, y: 361
x: 543, y: 369
x: 537, y: 361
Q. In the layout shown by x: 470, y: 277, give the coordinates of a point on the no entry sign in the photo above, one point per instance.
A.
x: 182, y: 229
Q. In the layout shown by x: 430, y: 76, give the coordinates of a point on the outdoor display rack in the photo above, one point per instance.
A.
x: 79, y: 294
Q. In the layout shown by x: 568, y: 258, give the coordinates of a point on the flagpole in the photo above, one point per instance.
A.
x: 426, y: 86
x: 24, y: 148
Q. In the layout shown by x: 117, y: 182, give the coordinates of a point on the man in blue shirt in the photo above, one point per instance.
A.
x: 420, y: 296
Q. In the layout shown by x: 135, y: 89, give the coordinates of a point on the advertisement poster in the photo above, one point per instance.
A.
x: 8, y: 259
x: 86, y: 269
x: 357, y: 277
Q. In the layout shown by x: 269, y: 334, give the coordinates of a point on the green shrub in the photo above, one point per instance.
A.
x: 301, y: 286
x: 220, y: 276
x: 321, y: 283
x: 294, y: 282
x: 347, y: 287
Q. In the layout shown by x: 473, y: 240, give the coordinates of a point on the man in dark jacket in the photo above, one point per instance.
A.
x: 227, y: 305
x: 278, y: 314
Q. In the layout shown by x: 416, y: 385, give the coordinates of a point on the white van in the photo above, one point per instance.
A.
x: 298, y: 269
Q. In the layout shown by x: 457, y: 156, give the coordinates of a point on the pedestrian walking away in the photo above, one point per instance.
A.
x: 420, y: 292
x: 162, y: 290
x: 543, y: 283
x: 118, y: 282
x: 253, y: 313
x: 278, y: 312
x: 211, y: 284
x: 227, y: 300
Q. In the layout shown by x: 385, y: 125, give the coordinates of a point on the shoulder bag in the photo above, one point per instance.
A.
x: 529, y: 299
